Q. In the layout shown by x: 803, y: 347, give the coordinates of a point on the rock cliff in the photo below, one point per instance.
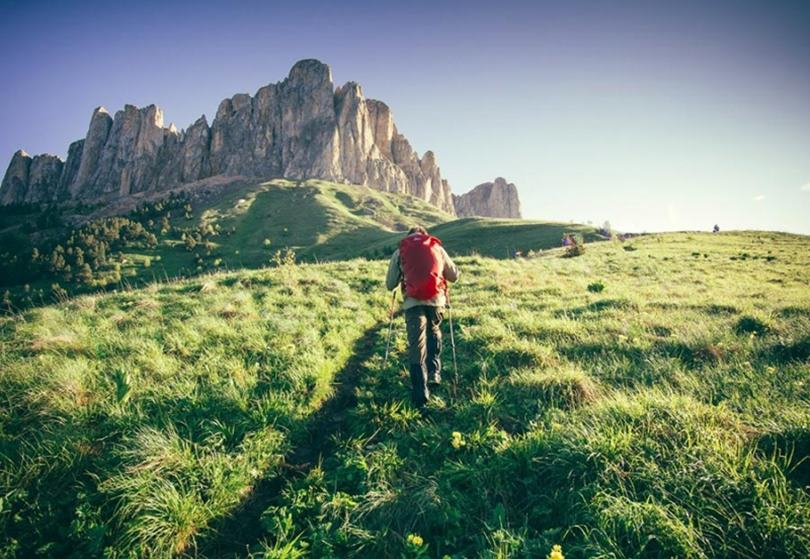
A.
x: 490, y: 199
x: 301, y: 127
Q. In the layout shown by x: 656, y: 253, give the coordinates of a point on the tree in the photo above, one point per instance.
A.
x: 85, y: 274
x: 57, y: 260
x: 189, y: 241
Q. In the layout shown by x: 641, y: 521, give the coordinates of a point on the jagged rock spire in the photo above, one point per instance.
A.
x: 298, y: 128
x: 490, y: 199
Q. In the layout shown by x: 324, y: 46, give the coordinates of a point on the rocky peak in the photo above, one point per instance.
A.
x: 310, y: 73
x: 299, y: 128
x: 43, y: 178
x: 15, y: 182
x: 490, y: 199
x: 99, y: 129
x: 382, y: 125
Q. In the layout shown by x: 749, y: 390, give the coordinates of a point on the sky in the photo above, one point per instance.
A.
x: 651, y: 115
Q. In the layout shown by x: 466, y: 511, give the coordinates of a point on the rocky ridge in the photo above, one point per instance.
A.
x: 301, y: 127
x: 490, y: 199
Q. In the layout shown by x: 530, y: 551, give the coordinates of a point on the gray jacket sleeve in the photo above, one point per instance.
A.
x: 394, y: 275
x: 450, y: 269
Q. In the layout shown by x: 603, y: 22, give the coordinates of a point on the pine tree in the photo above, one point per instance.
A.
x: 85, y: 274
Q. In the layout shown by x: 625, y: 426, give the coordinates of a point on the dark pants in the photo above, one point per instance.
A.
x: 424, y: 349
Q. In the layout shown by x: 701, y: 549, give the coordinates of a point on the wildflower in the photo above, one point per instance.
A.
x: 556, y: 553
x: 458, y: 440
x: 415, y: 540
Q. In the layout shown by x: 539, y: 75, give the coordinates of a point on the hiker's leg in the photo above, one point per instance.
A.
x: 416, y: 324
x: 434, y: 344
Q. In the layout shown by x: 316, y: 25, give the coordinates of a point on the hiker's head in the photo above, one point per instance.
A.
x: 417, y: 229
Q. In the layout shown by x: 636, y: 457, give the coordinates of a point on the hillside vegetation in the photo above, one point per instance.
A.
x: 646, y: 399
x: 234, y: 225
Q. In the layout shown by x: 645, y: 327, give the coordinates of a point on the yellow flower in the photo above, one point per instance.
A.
x: 415, y: 540
x: 556, y: 553
x: 458, y: 440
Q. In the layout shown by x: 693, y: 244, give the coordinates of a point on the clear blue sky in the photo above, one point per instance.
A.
x: 653, y: 115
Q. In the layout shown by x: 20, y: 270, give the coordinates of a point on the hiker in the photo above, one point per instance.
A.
x: 422, y: 268
x: 716, y: 228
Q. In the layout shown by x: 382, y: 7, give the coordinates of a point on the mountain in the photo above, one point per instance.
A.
x: 490, y: 199
x: 299, y: 128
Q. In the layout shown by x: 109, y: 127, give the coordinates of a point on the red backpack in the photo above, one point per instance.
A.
x: 422, y: 263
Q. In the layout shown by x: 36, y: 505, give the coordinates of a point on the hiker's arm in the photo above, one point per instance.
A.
x: 450, y: 269
x: 394, y: 275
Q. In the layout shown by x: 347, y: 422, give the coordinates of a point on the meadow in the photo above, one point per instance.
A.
x: 645, y: 399
x: 50, y: 253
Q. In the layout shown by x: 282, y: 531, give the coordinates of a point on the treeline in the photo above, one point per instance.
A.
x: 93, y: 248
x: 85, y: 252
x: 90, y: 255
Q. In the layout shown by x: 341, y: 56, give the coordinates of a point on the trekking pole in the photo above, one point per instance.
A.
x: 452, y: 339
x: 390, y: 325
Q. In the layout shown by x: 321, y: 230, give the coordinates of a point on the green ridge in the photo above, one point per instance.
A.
x: 252, y: 225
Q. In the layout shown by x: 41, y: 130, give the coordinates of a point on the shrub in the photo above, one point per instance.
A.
x: 596, y: 287
x: 751, y: 325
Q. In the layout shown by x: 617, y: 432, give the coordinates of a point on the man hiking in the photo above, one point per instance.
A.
x: 422, y: 267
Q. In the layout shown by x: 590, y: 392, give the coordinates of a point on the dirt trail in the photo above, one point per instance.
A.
x: 235, y: 534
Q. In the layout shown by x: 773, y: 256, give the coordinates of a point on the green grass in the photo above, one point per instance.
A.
x: 500, y: 238
x: 251, y: 414
x: 252, y: 224
x: 322, y: 221
x: 495, y: 238
x: 317, y: 219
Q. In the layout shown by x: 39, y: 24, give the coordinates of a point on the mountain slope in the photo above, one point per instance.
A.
x: 316, y: 219
x: 320, y: 220
x: 232, y: 223
x: 646, y: 399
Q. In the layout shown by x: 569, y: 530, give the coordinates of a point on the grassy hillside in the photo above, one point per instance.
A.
x: 228, y: 225
x: 646, y: 399
x: 316, y: 219
x: 495, y: 238
x: 319, y: 221
x: 246, y: 226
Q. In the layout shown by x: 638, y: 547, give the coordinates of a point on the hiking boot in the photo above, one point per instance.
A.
x: 434, y: 380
